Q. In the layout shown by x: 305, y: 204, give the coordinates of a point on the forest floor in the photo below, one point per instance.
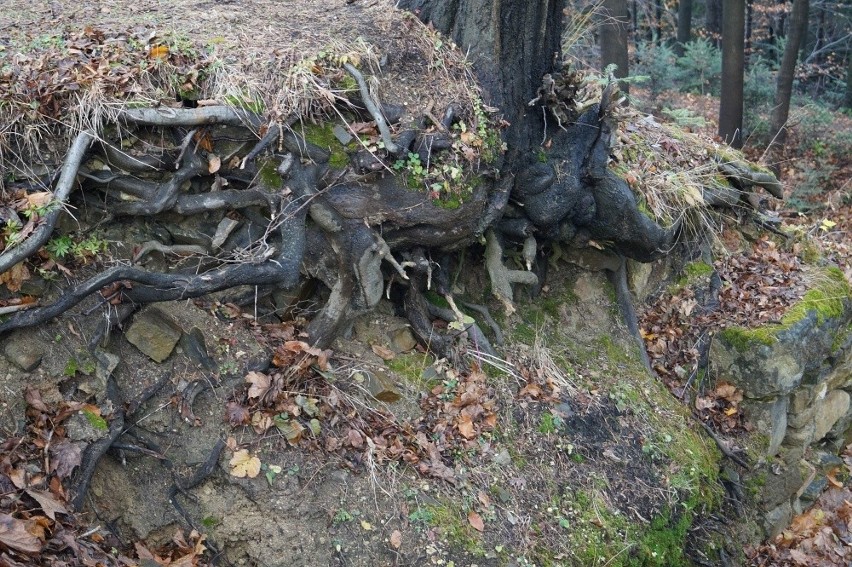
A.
x: 318, y: 472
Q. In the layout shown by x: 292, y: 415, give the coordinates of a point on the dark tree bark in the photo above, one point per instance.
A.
x: 731, y: 101
x: 847, y: 101
x: 684, y: 25
x: 512, y: 45
x: 615, y: 21
x: 713, y: 20
x: 786, y: 72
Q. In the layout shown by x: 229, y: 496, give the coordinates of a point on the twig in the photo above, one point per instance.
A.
x: 373, y: 109
x: 183, y: 146
x: 723, y: 446
x: 5, y: 310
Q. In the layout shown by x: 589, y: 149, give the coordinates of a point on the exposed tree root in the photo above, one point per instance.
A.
x: 66, y: 182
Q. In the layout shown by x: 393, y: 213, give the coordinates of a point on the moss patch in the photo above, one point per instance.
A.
x: 322, y: 135
x: 826, y: 299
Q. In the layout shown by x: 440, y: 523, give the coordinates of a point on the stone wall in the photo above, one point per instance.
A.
x: 796, y: 379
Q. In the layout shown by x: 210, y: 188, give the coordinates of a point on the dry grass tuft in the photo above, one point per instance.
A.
x: 277, y: 58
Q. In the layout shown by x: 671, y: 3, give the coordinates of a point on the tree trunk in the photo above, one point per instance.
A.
x: 847, y: 101
x: 786, y: 73
x: 713, y: 20
x: 615, y: 20
x: 684, y: 25
x: 731, y: 101
x: 512, y: 45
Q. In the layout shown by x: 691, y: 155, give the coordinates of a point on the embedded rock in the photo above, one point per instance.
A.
x: 154, y: 333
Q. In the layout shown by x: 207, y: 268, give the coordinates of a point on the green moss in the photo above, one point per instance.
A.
x: 451, y: 522
x: 95, y: 420
x: 826, y: 299
x: 695, y: 270
x: 269, y: 175
x: 410, y: 367
x: 662, y: 545
x: 841, y: 337
x: 451, y: 202
x: 322, y: 135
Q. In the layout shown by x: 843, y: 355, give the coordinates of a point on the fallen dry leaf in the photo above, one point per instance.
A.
x: 396, y: 539
x: 65, y: 457
x: 475, y: 520
x: 260, y: 384
x: 384, y: 352
x: 244, y: 465
x: 14, y: 534
x: 465, y: 425
x: 214, y: 162
x: 48, y: 503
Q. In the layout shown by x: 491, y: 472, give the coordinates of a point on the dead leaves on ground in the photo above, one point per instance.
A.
x: 36, y: 524
x: 300, y: 399
x: 757, y: 289
x: 820, y: 536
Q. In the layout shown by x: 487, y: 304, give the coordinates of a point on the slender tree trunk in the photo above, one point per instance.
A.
x: 784, y: 88
x: 713, y: 20
x: 749, y: 26
x: 847, y: 101
x: 615, y: 21
x: 658, y: 21
x: 684, y: 25
x: 731, y: 102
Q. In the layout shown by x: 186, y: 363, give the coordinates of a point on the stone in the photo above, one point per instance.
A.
x: 799, y: 438
x: 777, y: 519
x: 826, y: 461
x: 401, y: 339
x: 381, y: 386
x: 639, y: 277
x: 761, y: 371
x: 780, y: 488
x: 801, y: 398
x: 36, y: 286
x: 813, y: 490
x: 95, y: 382
x: 833, y: 407
x: 770, y: 418
x: 24, y: 349
x: 154, y: 334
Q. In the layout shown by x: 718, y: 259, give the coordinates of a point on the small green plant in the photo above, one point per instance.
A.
x: 341, y: 516
x: 700, y: 68
x: 209, y: 522
x: 59, y: 247
x: 549, y: 423
x: 656, y: 62
x: 422, y: 517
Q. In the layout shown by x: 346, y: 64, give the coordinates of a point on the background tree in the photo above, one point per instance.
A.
x: 684, y: 25
x: 847, y: 101
x: 713, y: 19
x: 614, y: 23
x: 733, y: 60
x: 777, y: 131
